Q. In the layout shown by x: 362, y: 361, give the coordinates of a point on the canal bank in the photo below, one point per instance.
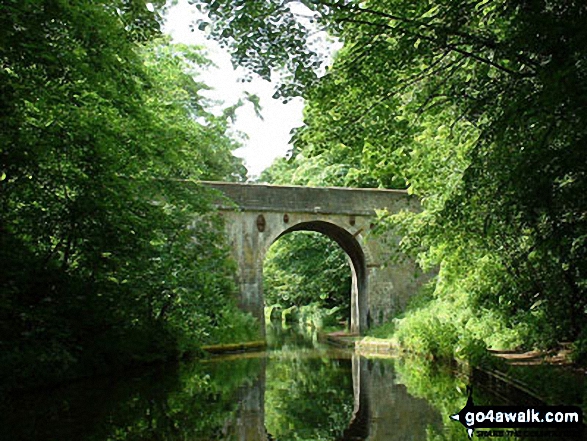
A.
x: 532, y: 377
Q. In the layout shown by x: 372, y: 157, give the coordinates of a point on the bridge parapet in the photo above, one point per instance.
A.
x: 323, y: 200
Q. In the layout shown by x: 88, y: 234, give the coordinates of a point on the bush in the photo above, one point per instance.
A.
x: 234, y: 326
x: 449, y: 327
x: 385, y: 330
x: 579, y: 349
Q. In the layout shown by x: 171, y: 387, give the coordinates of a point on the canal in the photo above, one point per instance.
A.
x: 299, y: 389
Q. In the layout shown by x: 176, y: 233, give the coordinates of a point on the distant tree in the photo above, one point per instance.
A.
x: 306, y: 268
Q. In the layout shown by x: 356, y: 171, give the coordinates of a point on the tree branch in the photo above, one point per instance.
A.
x: 450, y: 47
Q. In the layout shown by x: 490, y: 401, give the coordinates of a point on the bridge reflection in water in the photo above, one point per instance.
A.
x: 298, y: 390
x: 382, y: 409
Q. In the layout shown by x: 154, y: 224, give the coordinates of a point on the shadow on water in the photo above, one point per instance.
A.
x: 298, y: 390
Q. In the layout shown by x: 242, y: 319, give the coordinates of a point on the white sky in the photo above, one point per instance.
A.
x: 267, y: 138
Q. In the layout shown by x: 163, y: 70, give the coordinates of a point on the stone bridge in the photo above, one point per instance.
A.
x: 258, y: 215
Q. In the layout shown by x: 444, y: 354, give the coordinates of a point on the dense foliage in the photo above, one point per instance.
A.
x: 478, y: 107
x: 310, y: 272
x: 107, y: 258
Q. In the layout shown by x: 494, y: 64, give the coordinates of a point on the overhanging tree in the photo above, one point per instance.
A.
x: 107, y: 258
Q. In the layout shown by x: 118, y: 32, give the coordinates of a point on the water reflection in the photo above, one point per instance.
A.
x: 310, y: 397
x: 179, y: 402
x: 298, y: 390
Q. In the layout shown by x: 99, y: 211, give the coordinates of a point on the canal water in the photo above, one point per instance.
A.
x: 299, y: 389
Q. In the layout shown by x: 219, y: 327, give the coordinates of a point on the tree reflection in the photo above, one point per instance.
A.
x: 308, y: 398
x: 291, y: 393
x: 189, y: 401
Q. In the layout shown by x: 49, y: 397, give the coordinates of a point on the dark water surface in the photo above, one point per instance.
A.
x: 298, y: 390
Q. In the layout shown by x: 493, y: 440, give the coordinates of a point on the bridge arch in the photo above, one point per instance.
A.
x: 355, y: 250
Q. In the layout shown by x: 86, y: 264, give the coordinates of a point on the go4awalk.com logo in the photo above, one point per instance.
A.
x: 513, y: 421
